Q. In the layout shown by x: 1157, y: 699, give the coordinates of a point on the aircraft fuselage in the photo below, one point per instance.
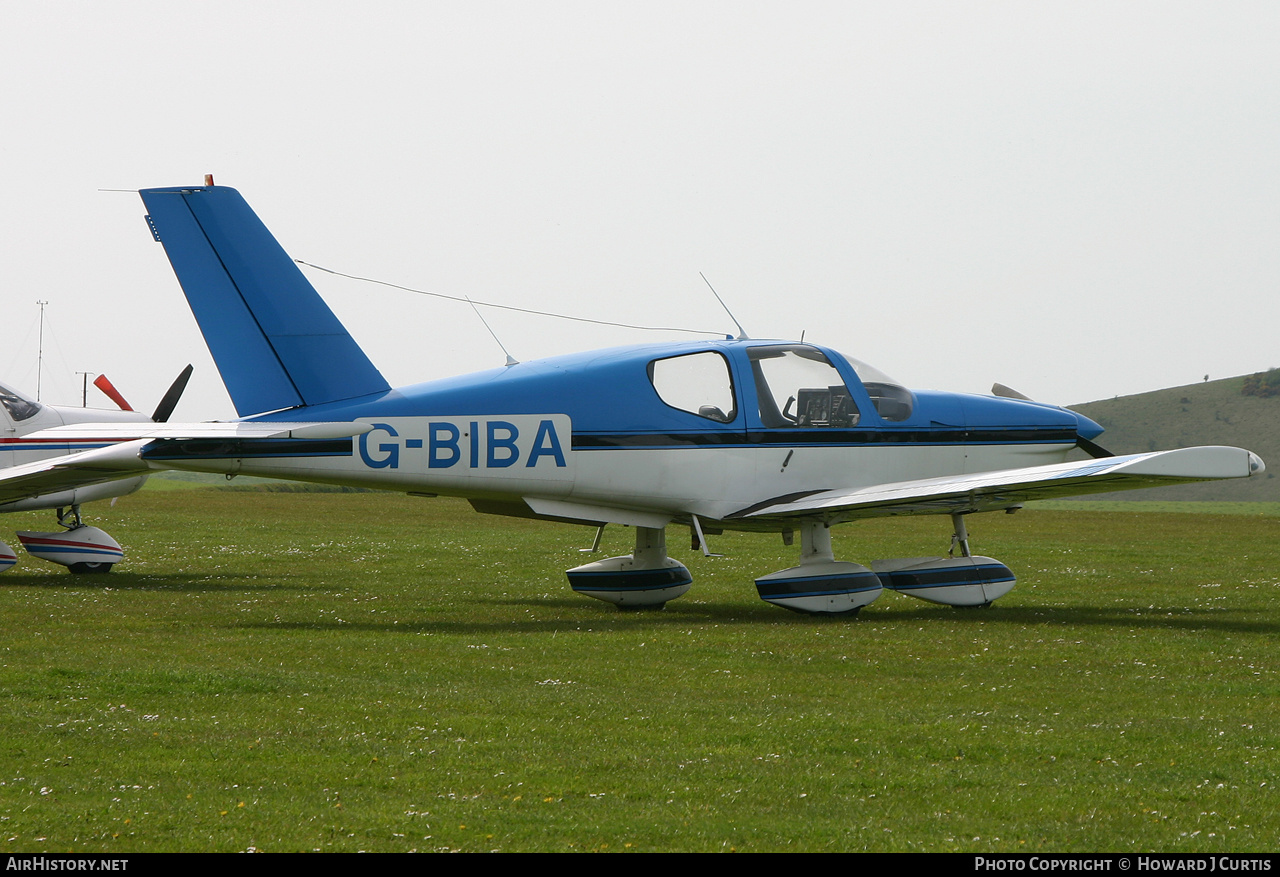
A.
x: 604, y: 430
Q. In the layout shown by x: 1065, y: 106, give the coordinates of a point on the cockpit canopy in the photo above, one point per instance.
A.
x: 16, y: 405
x: 796, y: 385
x: 804, y: 376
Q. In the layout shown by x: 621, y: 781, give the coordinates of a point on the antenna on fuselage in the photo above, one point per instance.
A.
x: 742, y: 334
x: 510, y: 359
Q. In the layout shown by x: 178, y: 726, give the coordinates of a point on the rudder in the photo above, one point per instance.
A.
x: 275, y: 341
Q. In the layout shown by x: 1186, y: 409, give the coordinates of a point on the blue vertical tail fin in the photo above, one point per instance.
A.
x: 275, y: 341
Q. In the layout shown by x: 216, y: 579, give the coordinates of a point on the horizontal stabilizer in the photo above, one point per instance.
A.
x: 275, y: 341
x: 54, y: 476
x: 214, y: 430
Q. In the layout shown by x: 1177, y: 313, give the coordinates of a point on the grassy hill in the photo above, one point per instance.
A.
x: 1210, y: 413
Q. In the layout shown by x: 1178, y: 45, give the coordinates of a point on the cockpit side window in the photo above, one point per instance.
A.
x: 796, y: 386
x: 19, y: 408
x: 699, y: 383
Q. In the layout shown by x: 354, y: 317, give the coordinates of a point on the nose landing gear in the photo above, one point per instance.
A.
x: 951, y: 581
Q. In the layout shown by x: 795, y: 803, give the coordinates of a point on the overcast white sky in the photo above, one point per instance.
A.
x: 1080, y: 200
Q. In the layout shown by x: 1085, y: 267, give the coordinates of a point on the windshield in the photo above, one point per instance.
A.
x: 868, y: 372
x: 18, y: 406
x: 893, y: 401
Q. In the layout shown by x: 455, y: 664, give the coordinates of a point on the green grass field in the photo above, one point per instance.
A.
x: 373, y: 672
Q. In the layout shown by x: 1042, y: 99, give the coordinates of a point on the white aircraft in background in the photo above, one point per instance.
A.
x: 737, y: 434
x: 30, y: 477
x: 57, y: 457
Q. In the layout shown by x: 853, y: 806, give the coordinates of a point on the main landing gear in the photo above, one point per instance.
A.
x: 645, y: 579
x: 819, y: 585
x: 80, y: 548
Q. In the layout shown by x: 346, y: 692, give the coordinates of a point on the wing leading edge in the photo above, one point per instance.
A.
x: 992, y: 491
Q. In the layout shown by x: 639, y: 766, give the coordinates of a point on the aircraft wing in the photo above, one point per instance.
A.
x: 991, y: 491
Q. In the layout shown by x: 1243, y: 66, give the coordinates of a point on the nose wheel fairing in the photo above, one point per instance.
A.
x: 951, y: 581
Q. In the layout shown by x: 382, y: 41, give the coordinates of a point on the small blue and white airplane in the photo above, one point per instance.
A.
x: 740, y: 434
